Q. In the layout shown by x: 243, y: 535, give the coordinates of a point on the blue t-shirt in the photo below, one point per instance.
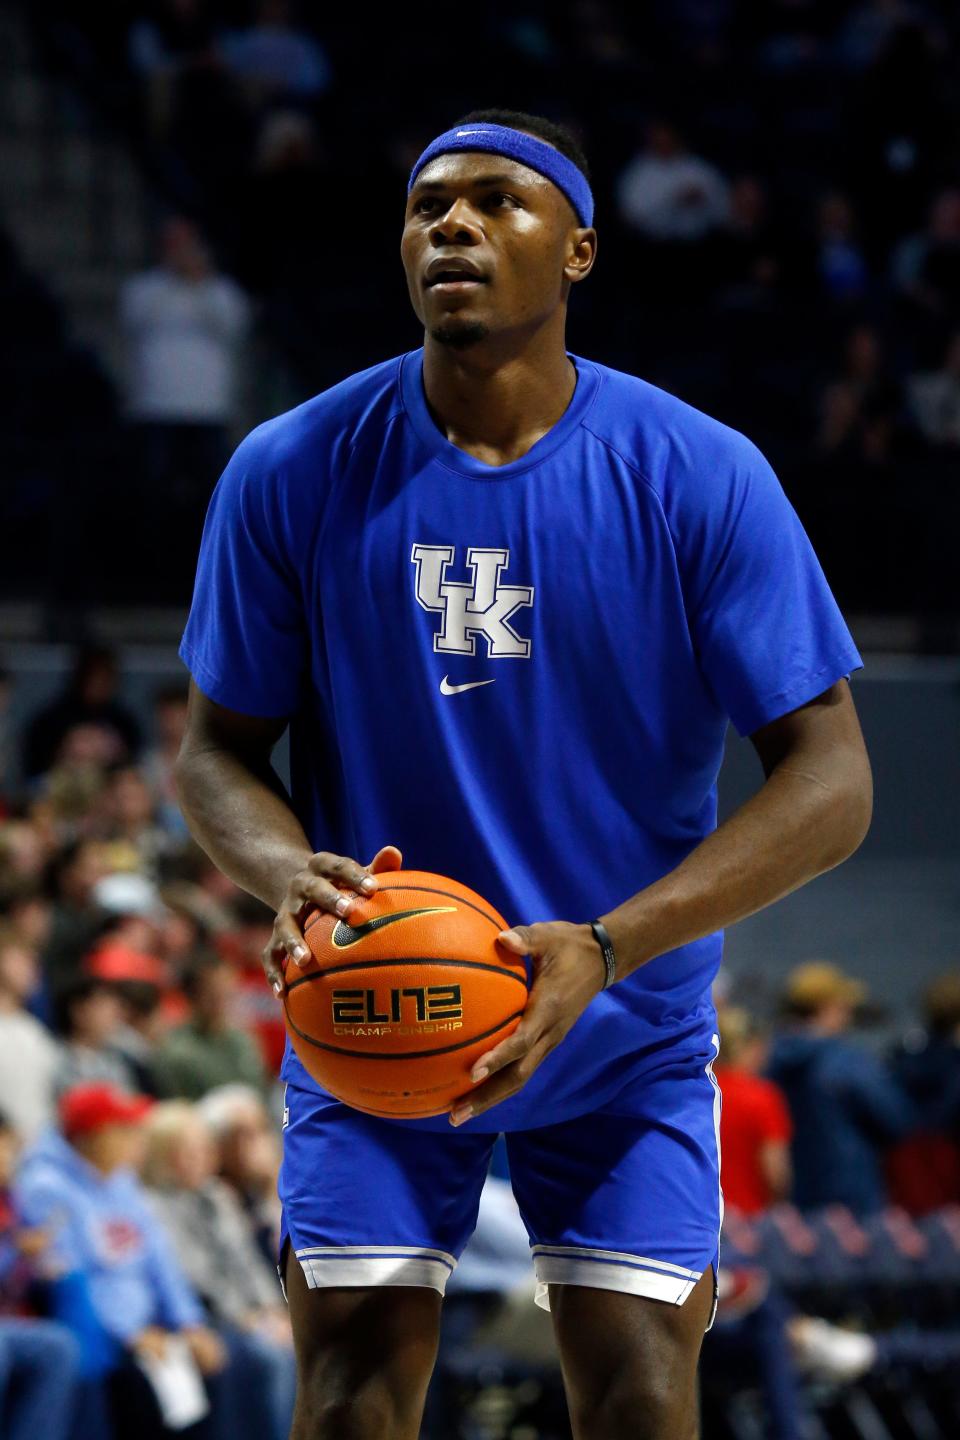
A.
x: 611, y: 599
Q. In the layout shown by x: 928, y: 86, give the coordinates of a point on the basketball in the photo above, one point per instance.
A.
x: 398, y: 1001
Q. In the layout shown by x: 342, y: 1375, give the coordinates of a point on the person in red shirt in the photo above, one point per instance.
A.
x: 755, y: 1125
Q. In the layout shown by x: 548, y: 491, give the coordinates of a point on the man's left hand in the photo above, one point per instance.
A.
x: 567, y: 972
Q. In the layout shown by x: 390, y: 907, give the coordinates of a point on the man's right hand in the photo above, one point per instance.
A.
x: 327, y: 882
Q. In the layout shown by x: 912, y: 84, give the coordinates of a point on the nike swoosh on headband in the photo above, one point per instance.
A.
x: 345, y: 935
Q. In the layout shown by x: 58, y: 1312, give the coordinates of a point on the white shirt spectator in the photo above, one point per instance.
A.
x: 29, y: 1061
x: 935, y: 401
x: 183, y: 337
x: 672, y: 196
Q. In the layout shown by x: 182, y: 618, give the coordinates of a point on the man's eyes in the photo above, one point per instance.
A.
x: 494, y: 200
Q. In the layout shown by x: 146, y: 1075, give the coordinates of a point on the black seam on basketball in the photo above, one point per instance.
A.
x: 430, y: 1114
x: 411, y: 1054
x: 395, y: 1114
x: 417, y: 889
x: 405, y: 960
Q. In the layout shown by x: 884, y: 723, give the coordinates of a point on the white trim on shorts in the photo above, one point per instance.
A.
x: 375, y: 1265
x: 629, y: 1274
x: 610, y: 1270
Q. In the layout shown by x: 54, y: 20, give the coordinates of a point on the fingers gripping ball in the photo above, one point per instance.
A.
x: 398, y: 1002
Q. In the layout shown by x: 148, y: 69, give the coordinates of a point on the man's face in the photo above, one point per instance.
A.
x: 488, y: 247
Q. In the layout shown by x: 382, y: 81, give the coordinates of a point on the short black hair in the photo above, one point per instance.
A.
x: 203, y: 961
x: 79, y: 990
x: 556, y: 135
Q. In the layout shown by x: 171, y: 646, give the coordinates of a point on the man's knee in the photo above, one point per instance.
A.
x: 331, y: 1410
x: 637, y: 1407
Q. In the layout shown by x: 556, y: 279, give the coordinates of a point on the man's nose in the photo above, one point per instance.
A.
x: 459, y: 225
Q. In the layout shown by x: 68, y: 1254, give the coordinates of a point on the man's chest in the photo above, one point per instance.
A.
x: 523, y: 572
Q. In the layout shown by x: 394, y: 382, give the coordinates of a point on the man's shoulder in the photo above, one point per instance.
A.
x: 336, y: 418
x: 667, y: 441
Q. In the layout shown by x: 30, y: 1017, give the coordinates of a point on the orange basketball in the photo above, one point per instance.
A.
x: 399, y: 1000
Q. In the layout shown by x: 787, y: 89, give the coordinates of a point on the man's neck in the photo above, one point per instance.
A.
x: 494, y: 403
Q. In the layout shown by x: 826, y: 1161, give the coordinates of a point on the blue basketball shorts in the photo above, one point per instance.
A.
x: 625, y: 1198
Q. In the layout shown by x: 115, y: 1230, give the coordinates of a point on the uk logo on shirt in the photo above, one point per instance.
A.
x: 483, y: 605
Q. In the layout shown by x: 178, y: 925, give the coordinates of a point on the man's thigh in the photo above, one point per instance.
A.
x: 375, y: 1217
x: 630, y: 1364
x: 623, y: 1209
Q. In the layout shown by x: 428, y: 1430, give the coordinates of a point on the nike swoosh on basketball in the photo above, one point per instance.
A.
x: 447, y: 689
x: 345, y: 935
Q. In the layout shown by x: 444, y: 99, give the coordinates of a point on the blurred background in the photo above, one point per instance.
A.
x: 200, y: 212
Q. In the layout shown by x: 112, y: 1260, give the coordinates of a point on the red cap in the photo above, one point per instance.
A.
x: 112, y: 961
x: 86, y: 1108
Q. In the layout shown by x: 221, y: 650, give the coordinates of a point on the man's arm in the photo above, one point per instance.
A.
x: 233, y: 800
x: 239, y: 813
x: 810, y: 814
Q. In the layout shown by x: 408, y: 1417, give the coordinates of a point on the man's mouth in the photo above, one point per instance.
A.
x: 452, y: 277
x: 454, y: 283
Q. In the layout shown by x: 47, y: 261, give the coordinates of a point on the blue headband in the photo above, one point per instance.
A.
x: 516, y: 145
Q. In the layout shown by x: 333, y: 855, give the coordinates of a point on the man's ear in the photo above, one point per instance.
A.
x: 583, y: 253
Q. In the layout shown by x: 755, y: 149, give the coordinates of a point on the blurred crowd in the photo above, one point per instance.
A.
x: 139, y: 1138
x: 777, y: 198
x: 139, y: 1110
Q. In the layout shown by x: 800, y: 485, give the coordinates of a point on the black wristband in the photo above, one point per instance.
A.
x: 602, y: 938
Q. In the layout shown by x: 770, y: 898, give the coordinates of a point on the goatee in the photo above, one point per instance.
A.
x: 458, y: 337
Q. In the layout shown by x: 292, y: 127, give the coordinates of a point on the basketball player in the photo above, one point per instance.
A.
x: 507, y: 599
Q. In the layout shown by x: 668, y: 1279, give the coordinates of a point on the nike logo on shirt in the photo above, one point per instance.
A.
x: 344, y: 934
x: 447, y: 689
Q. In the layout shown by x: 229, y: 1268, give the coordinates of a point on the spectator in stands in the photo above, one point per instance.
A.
x: 924, y: 1169
x: 169, y: 721
x: 242, y: 943
x: 667, y: 193
x: 39, y: 1358
x: 755, y: 1125
x: 845, y: 1105
x: 82, y: 1183
x: 142, y: 1030
x: 184, y: 325
x: 917, y: 259
x: 249, y: 1147
x: 126, y: 821
x: 282, y: 205
x: 214, y: 1240
x: 67, y: 796
x: 861, y: 407
x: 174, y: 44
x: 935, y: 399
x: 274, y: 58
x: 29, y: 1055
x: 746, y: 256
x: 76, y: 918
x: 89, y: 1015
x: 24, y: 853
x: 90, y: 697
x: 27, y: 911
x: 672, y: 205
x: 842, y: 273
x: 208, y: 1050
